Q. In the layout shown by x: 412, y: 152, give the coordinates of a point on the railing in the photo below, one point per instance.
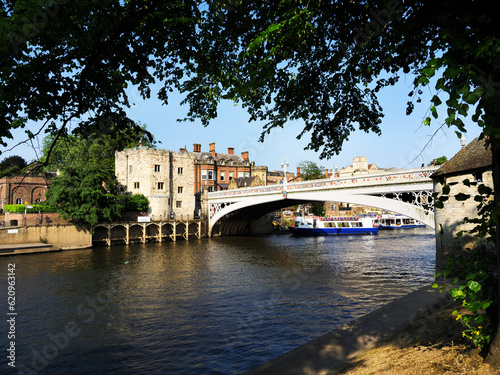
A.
x: 416, y: 175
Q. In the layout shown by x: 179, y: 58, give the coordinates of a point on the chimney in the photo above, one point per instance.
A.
x: 244, y: 155
x: 327, y: 173
x: 196, y: 147
x: 230, y: 150
x: 298, y: 171
x: 211, y: 148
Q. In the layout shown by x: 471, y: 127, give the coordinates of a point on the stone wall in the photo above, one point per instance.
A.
x: 166, y: 178
x: 63, y: 236
x: 45, y: 218
x: 183, y: 184
x: 449, y: 220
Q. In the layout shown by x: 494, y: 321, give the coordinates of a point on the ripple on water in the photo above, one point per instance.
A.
x: 214, y: 306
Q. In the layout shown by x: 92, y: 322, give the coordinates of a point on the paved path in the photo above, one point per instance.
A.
x: 329, y: 351
x: 28, y: 248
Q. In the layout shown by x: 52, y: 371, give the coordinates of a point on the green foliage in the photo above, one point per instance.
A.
x: 97, y: 146
x: 438, y: 161
x: 311, y: 171
x: 12, y: 165
x: 86, y: 195
x: 472, y: 281
x: 135, y: 202
x: 472, y: 273
x: 35, y: 208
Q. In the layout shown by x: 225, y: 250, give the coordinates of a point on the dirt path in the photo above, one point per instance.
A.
x: 433, y: 346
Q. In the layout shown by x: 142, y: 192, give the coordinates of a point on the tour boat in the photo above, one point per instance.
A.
x: 320, y: 226
x: 387, y: 221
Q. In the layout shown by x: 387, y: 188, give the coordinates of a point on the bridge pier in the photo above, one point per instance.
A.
x: 127, y: 233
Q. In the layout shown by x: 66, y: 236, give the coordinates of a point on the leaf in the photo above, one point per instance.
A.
x: 474, y: 286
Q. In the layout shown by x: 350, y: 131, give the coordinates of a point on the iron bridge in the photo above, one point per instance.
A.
x: 405, y: 191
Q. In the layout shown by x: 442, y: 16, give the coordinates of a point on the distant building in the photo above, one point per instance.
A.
x: 174, y: 181
x: 276, y: 177
x: 24, y: 189
x: 359, y: 166
x: 165, y: 177
x: 238, y: 183
x: 473, y: 163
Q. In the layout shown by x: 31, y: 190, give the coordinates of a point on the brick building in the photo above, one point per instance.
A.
x: 174, y: 181
x: 24, y: 188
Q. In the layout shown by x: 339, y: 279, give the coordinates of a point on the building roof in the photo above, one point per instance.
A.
x: 204, y: 155
x: 244, y: 181
x: 473, y: 156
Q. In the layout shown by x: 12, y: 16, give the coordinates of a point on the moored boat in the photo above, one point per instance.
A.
x: 389, y: 221
x: 321, y: 226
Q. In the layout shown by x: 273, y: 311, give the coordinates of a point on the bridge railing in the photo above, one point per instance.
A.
x: 386, y: 178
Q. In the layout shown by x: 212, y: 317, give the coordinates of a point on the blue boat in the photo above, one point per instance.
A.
x: 388, y: 221
x: 323, y: 226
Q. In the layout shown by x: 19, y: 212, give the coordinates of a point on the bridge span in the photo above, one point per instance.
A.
x: 405, y: 191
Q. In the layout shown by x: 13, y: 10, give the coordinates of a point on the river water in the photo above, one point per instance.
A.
x: 210, y: 306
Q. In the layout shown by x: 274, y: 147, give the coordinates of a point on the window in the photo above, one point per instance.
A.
x: 130, y: 169
x: 230, y: 176
x: 180, y: 170
x: 178, y: 204
x: 332, y: 207
x: 157, y: 168
x: 136, y: 185
x: 210, y: 189
x: 180, y: 189
x: 240, y: 174
x: 203, y: 174
x: 210, y: 175
x: 247, y: 174
x: 19, y: 201
x: 222, y: 176
x: 160, y: 185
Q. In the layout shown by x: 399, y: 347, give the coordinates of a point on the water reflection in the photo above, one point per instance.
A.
x: 206, y: 306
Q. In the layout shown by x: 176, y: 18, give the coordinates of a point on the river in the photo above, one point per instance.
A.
x: 209, y: 306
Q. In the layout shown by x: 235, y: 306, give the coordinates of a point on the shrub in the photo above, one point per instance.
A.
x: 35, y: 208
x: 136, y: 202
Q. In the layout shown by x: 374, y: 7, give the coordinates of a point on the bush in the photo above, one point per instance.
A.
x: 136, y: 202
x: 20, y: 208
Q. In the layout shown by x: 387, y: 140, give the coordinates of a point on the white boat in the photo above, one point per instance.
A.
x: 321, y: 226
x: 390, y: 221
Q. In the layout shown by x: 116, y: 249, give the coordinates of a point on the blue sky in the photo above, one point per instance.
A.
x: 401, y: 145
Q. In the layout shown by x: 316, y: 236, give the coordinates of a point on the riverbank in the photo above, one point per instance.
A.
x: 416, y: 334
x: 435, y: 346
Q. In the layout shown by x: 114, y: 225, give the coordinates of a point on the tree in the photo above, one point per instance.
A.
x: 325, y: 63
x: 87, y: 191
x: 438, y: 161
x: 12, y: 164
x: 86, y: 195
x: 311, y: 171
x: 96, y: 148
x: 320, y: 62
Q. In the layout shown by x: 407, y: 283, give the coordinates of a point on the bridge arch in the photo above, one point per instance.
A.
x: 269, y: 203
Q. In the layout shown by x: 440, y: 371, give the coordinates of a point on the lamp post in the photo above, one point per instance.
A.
x: 284, y: 165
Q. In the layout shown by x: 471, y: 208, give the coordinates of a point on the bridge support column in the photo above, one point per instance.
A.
x: 108, y: 239
x: 160, y: 227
